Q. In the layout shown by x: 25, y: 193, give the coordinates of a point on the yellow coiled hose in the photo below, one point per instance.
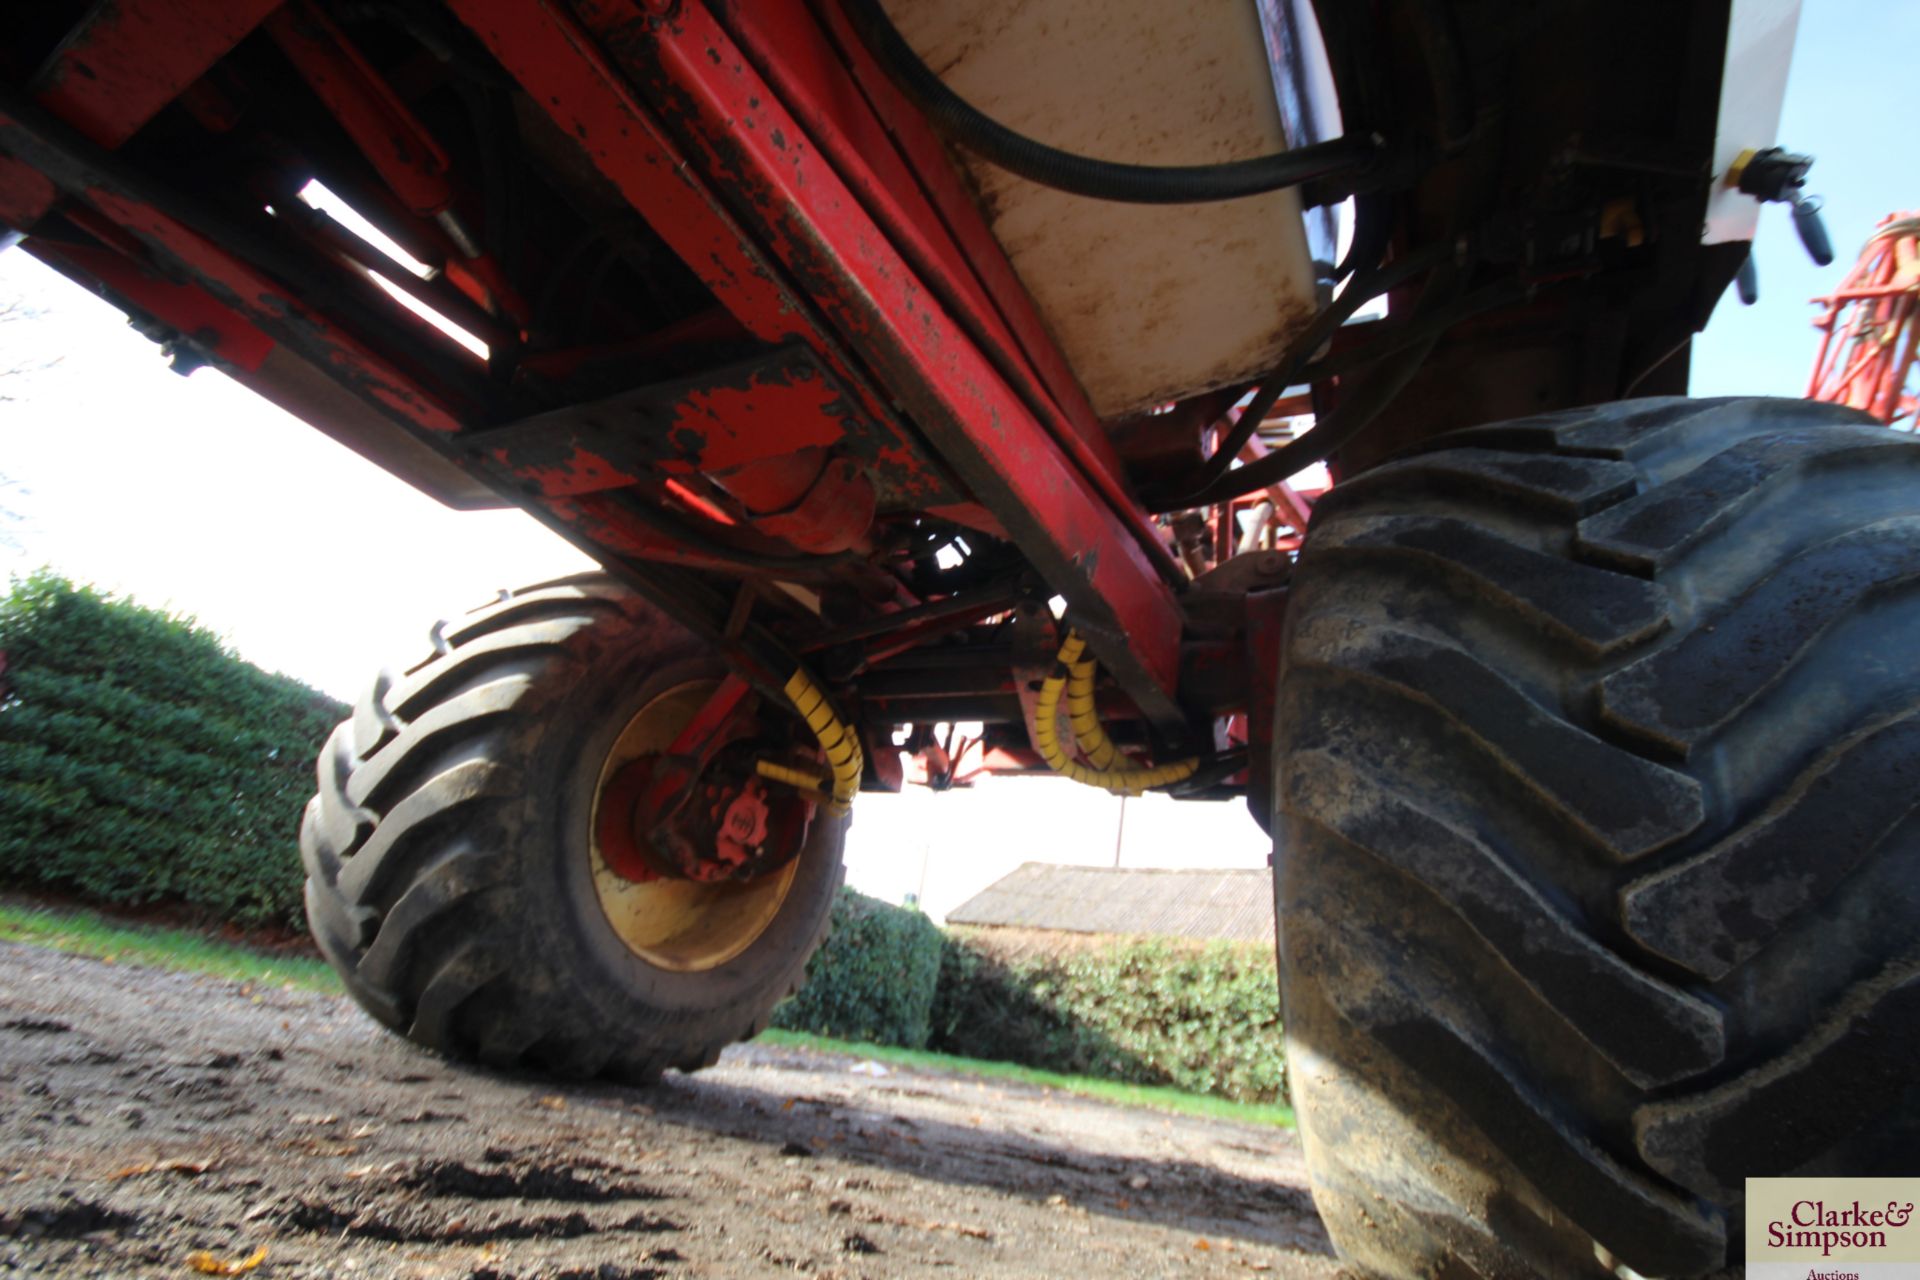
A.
x: 1105, y: 767
x: 839, y: 743
x: 1085, y: 721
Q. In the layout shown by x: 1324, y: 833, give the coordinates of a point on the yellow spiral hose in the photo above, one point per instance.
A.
x: 1085, y: 721
x: 839, y: 743
x: 1105, y: 769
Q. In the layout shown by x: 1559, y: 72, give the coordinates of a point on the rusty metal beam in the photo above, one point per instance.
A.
x: 735, y: 127
x: 129, y: 58
x: 566, y: 75
x: 205, y: 255
x: 772, y: 404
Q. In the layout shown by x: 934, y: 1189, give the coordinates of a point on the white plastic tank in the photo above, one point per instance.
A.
x: 1149, y: 302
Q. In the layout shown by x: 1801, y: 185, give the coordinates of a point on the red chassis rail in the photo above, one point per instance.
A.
x: 864, y: 367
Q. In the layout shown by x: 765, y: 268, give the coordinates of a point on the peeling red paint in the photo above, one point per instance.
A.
x: 731, y: 426
x: 129, y: 59
x: 582, y: 472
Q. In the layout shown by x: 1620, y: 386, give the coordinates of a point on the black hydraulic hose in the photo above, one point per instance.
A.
x: 1353, y: 416
x: 1287, y: 373
x: 1372, y: 232
x: 1417, y: 329
x: 1084, y: 175
x: 1402, y: 351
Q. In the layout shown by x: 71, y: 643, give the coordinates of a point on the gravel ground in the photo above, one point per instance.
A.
x: 146, y: 1115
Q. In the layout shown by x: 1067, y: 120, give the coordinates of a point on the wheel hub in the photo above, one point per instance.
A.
x: 691, y: 859
x: 657, y: 820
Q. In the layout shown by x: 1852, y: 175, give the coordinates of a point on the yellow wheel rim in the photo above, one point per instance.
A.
x: 682, y: 925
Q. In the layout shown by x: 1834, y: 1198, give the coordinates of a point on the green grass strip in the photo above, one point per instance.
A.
x: 83, y: 933
x: 1155, y: 1097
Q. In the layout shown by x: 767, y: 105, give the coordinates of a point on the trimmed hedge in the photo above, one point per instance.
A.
x: 872, y: 980
x: 142, y: 761
x: 1205, y: 1018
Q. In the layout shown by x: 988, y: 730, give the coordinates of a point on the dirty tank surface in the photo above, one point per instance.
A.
x: 145, y: 1115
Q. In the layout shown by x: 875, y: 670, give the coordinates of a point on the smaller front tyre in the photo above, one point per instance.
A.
x: 454, y: 878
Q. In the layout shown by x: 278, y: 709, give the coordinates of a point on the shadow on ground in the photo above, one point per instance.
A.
x: 874, y: 1123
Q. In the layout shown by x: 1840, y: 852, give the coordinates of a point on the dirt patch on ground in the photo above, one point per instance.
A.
x: 145, y: 1115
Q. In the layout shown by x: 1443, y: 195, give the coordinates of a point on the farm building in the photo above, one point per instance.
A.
x: 1191, y: 905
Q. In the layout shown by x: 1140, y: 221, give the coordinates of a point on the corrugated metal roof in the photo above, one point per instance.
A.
x: 1177, y: 904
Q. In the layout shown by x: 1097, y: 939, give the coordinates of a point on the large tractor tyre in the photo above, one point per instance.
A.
x: 1599, y: 873
x: 454, y: 880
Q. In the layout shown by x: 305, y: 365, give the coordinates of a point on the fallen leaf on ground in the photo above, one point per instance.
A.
x: 923, y: 1224
x: 551, y: 1101
x: 193, y: 1167
x: 206, y: 1264
x: 961, y: 1228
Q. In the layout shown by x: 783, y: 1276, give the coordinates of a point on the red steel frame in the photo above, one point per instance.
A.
x: 1870, y: 328
x: 1096, y: 555
x: 762, y: 145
